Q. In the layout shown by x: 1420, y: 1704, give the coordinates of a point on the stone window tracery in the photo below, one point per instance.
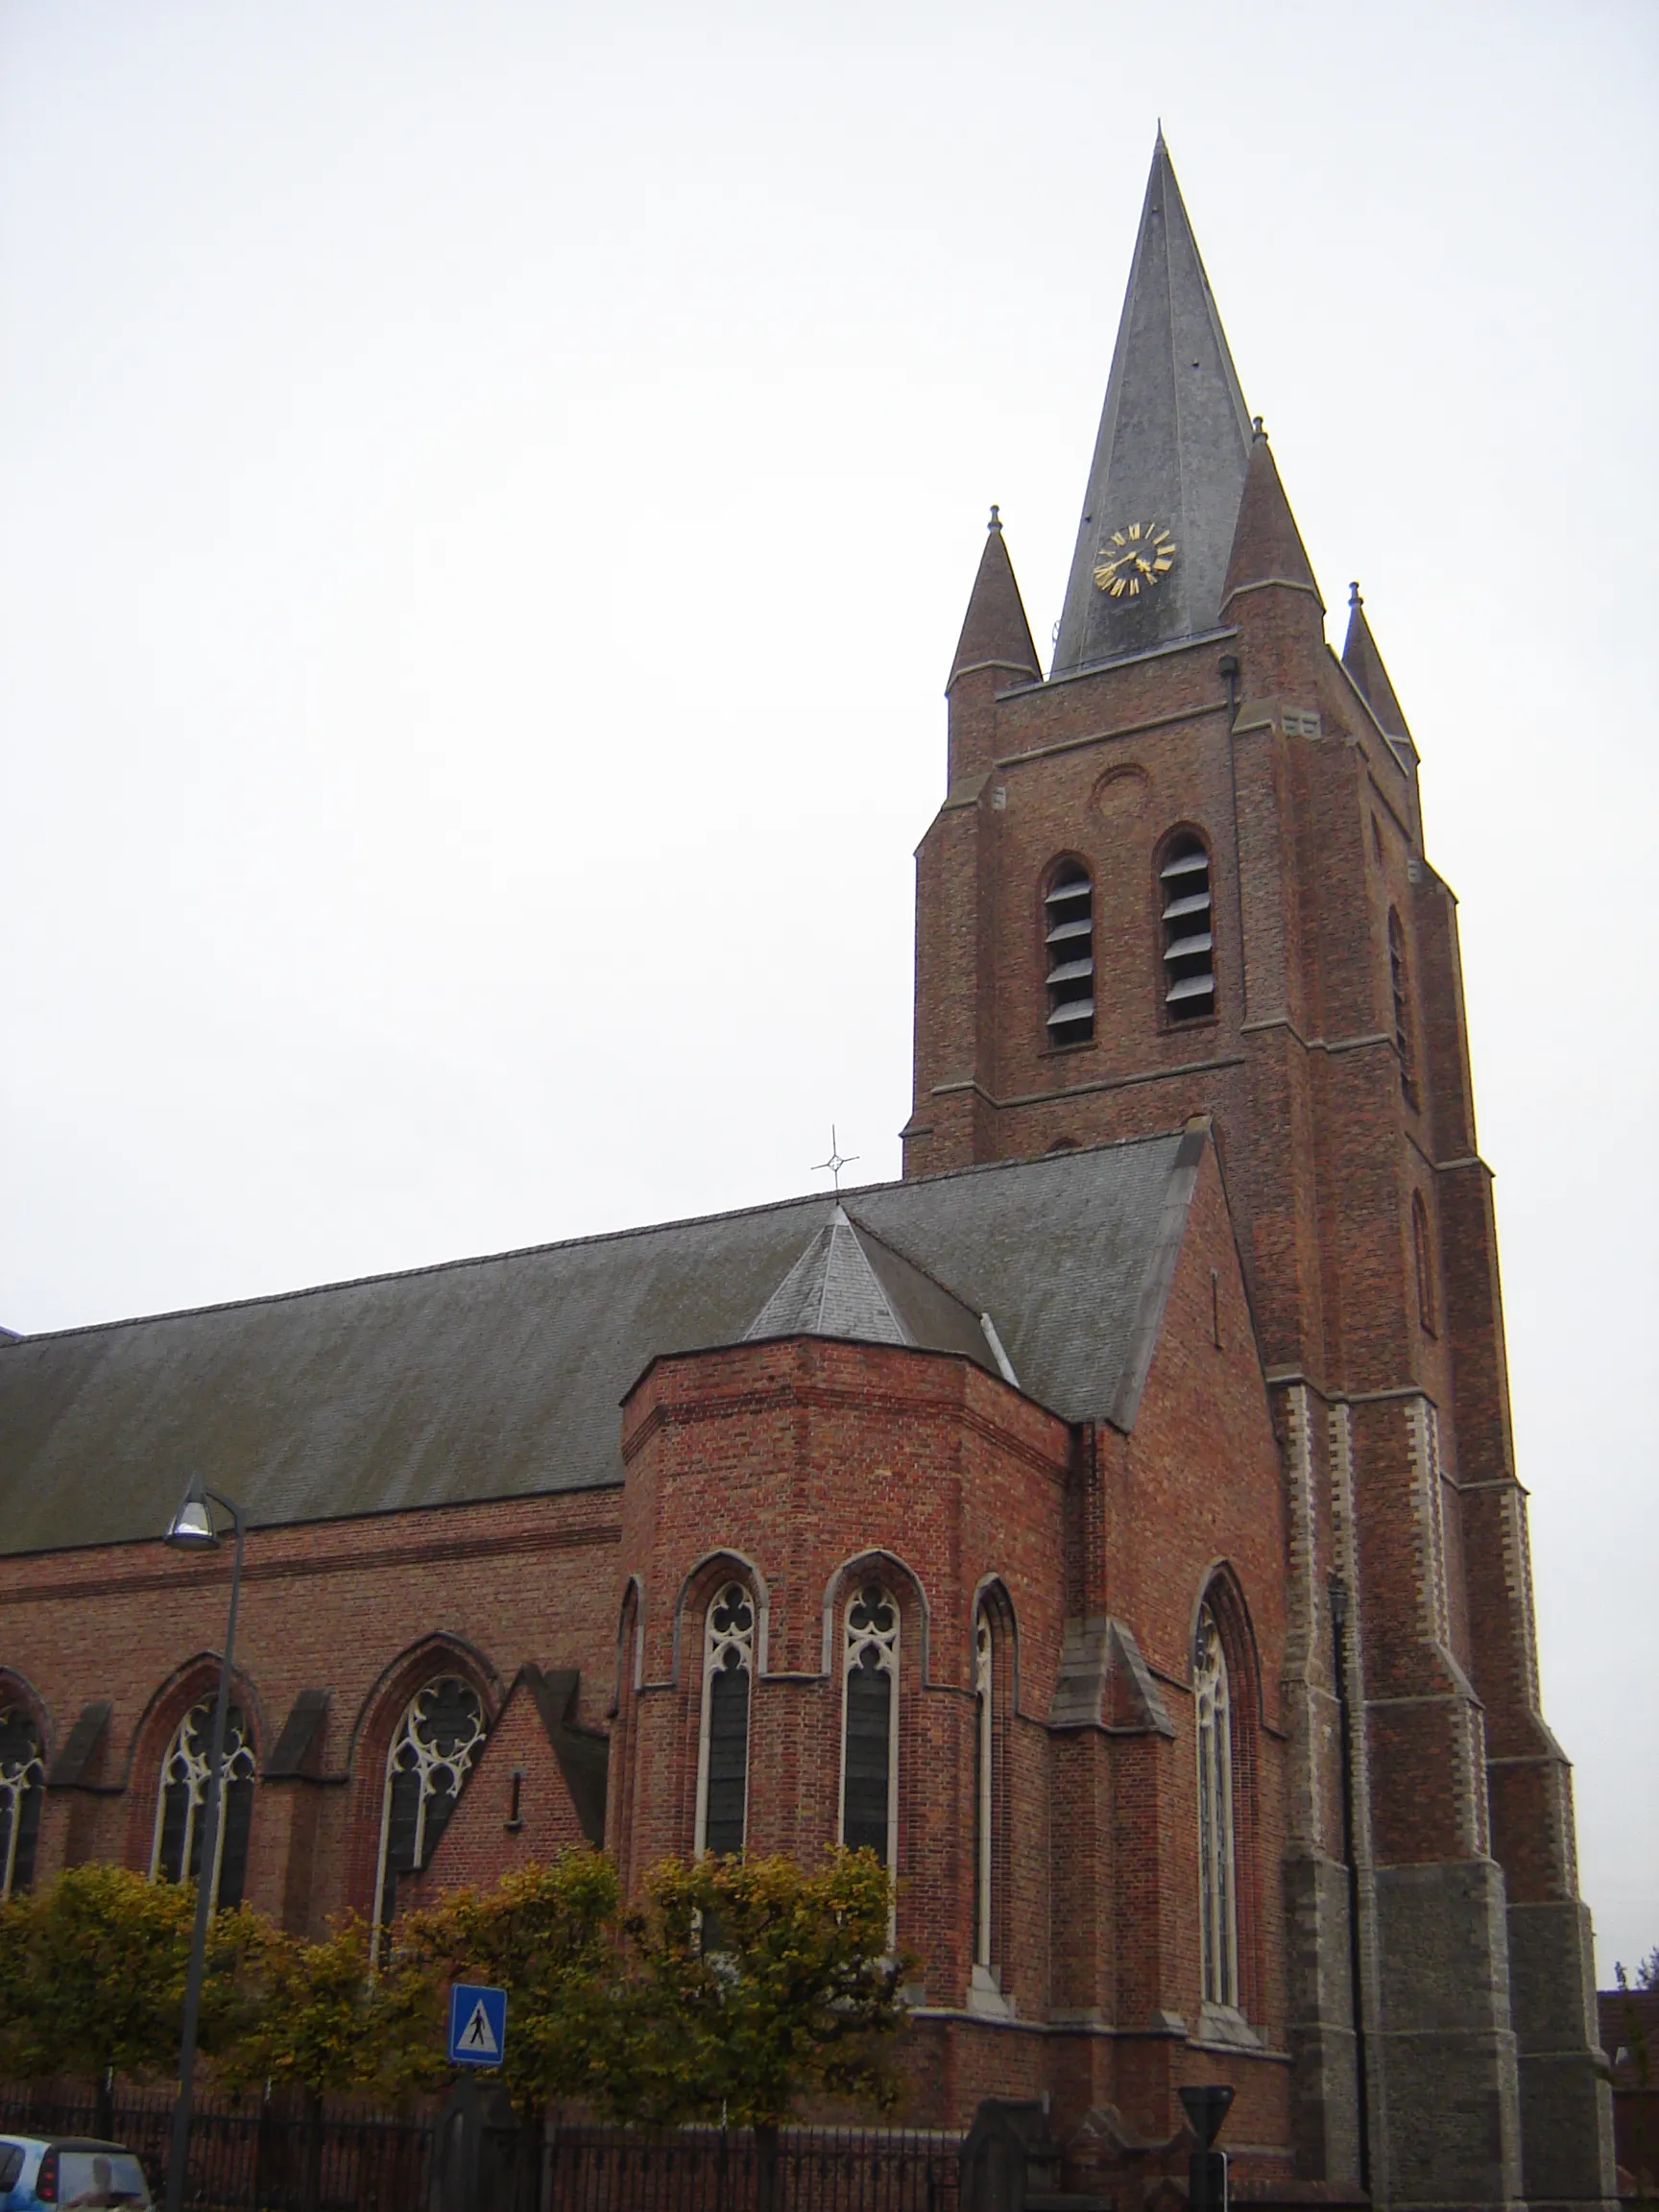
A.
x: 723, y: 1761
x: 433, y: 1749
x: 870, y: 1732
x: 1218, y: 1918
x: 22, y: 1779
x: 182, y: 1803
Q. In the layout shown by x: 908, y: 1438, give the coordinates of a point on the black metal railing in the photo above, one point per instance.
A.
x: 258, y: 2157
x: 598, y: 2169
x: 268, y: 2156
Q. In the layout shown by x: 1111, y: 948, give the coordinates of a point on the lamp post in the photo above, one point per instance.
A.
x: 192, y: 1531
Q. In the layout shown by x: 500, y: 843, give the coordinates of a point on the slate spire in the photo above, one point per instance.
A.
x: 1171, y: 453
x: 1364, y: 663
x: 995, y: 631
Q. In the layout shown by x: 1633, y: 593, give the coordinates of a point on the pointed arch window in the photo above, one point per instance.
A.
x: 182, y: 1803
x: 723, y: 1764
x: 870, y: 1725
x: 1218, y: 1903
x: 433, y: 1749
x: 1400, y: 986
x: 984, y: 1791
x: 1188, y: 917
x: 22, y: 1780
x: 1068, y: 945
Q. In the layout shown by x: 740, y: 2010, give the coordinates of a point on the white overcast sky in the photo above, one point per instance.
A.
x: 487, y: 494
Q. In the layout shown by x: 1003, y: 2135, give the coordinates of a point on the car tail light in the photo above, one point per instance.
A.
x: 46, y: 2181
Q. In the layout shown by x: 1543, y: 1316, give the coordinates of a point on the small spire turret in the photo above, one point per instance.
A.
x: 1365, y: 664
x: 996, y: 634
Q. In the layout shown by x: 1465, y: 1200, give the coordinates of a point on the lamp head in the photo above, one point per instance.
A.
x: 192, y: 1527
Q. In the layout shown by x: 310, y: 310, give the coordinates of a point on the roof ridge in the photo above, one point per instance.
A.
x: 571, y: 1243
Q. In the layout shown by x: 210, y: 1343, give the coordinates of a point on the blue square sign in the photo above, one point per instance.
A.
x: 477, y: 2024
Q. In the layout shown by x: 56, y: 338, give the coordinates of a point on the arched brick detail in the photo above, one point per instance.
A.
x: 1223, y: 1594
x: 382, y: 1709
x: 16, y: 1688
x: 696, y: 1592
x: 196, y: 1682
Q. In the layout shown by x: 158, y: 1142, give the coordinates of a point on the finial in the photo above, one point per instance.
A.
x: 996, y: 521
x: 836, y: 1161
x: 1256, y: 426
x: 1354, y: 598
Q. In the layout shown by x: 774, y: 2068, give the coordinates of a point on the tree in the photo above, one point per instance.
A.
x: 324, y: 2019
x: 548, y: 1936
x: 757, y: 1982
x: 94, y: 1970
x: 321, y: 2018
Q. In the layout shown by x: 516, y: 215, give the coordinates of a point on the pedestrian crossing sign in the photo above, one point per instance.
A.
x: 477, y: 2024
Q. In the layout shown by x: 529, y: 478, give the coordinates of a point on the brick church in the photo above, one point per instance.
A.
x: 1114, y: 1524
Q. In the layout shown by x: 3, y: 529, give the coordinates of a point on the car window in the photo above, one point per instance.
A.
x: 11, y: 2164
x: 100, y: 2177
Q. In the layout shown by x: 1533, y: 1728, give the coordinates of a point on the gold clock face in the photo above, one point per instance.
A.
x: 1134, y: 559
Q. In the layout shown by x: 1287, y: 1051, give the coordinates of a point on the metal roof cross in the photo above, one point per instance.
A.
x: 836, y: 1161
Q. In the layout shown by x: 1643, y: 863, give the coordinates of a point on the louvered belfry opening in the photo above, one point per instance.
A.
x: 1188, y: 933
x: 1069, y: 939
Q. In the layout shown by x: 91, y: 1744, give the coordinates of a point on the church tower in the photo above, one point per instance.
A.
x: 1184, y: 875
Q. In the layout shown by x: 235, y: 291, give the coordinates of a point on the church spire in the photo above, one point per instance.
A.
x: 1171, y: 456
x: 995, y: 631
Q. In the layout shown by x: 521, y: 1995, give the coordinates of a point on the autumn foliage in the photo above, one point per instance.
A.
x: 728, y: 1990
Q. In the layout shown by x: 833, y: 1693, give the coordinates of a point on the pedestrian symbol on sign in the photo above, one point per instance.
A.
x: 477, y: 2024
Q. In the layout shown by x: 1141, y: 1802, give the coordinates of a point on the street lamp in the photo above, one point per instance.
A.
x: 192, y: 1530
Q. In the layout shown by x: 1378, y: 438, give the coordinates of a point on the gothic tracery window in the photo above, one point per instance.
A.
x: 22, y: 1775
x: 1189, y: 918
x: 728, y: 1674
x: 1068, y: 944
x: 984, y: 1799
x: 870, y: 1733
x: 182, y: 1803
x: 1216, y: 1900
x: 433, y: 1749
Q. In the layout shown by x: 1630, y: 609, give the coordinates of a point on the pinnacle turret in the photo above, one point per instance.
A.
x: 1267, y: 546
x: 1364, y: 663
x: 995, y: 631
x: 1171, y: 457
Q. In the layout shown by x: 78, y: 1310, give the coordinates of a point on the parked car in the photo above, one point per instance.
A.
x: 65, y: 2169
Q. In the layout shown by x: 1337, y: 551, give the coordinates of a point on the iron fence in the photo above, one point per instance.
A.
x: 258, y: 2157
x: 263, y: 2156
x: 598, y: 2169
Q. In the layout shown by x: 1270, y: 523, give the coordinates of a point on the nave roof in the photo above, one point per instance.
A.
x: 503, y: 1375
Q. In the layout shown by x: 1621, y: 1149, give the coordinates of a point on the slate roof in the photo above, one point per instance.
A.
x: 849, y: 1284
x: 1173, y: 441
x: 502, y: 1377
